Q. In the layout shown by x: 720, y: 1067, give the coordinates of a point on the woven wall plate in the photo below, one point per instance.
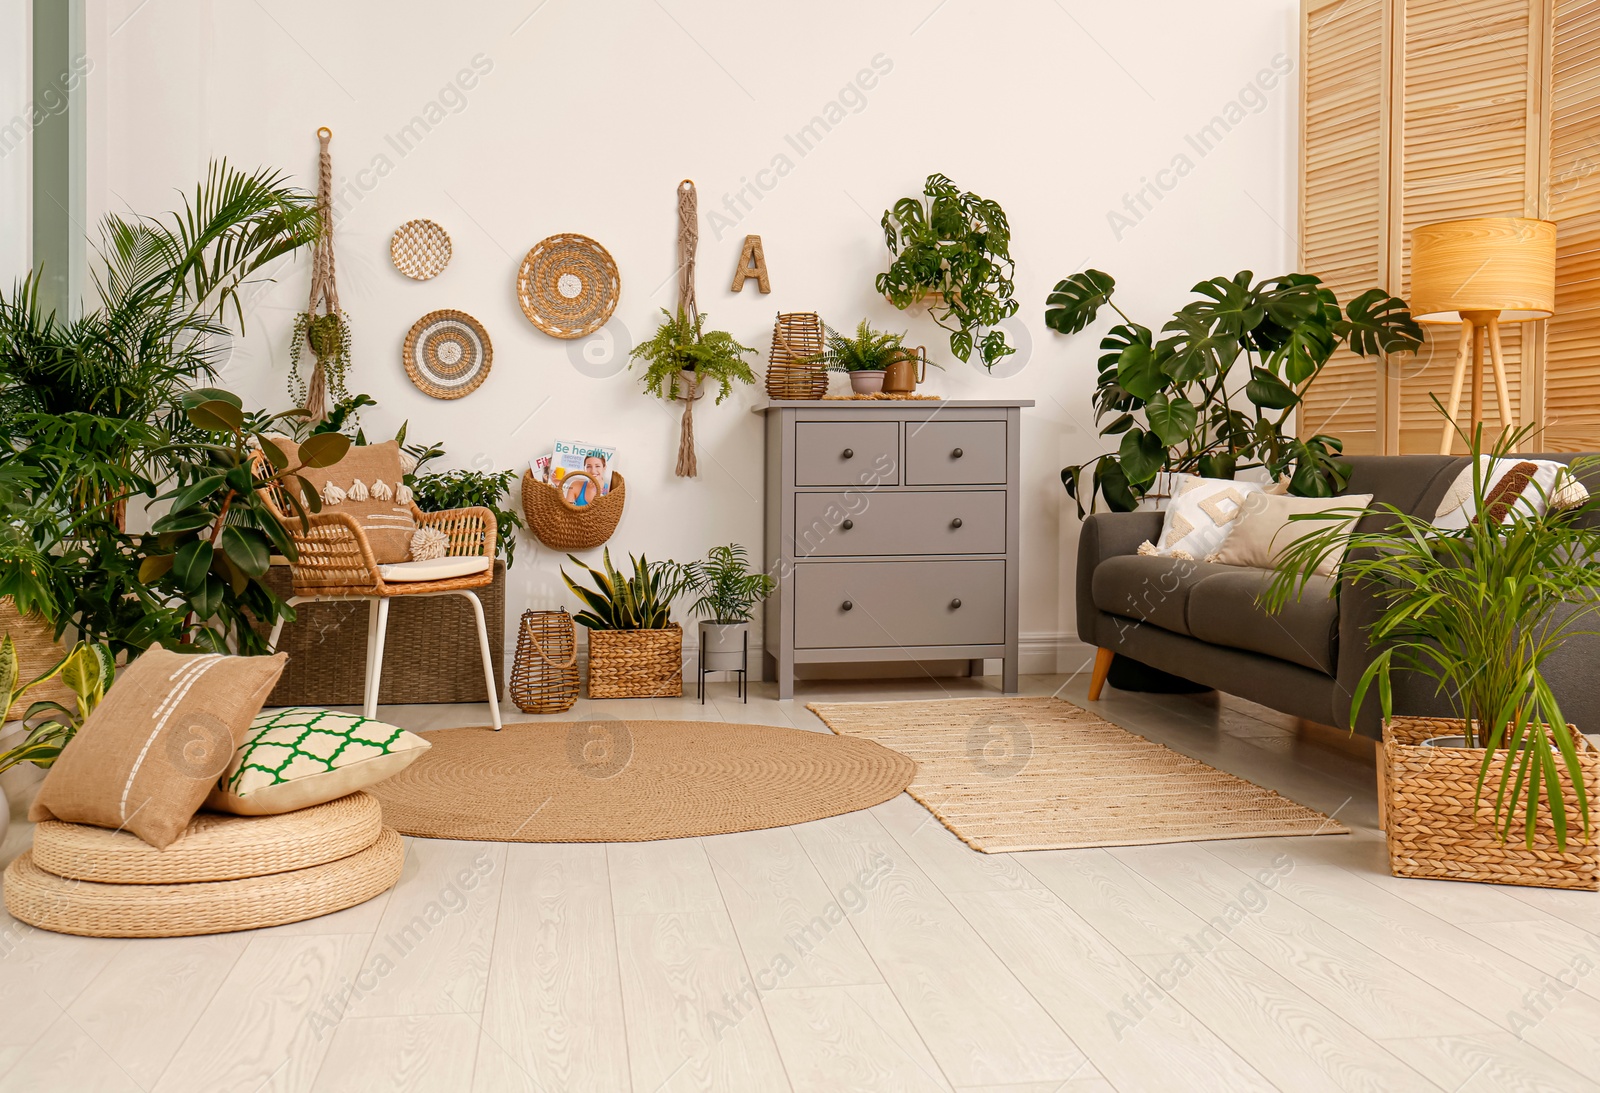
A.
x: 448, y: 353
x: 568, y: 286
x: 420, y: 249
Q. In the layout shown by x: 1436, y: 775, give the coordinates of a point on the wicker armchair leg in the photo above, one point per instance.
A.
x: 488, y: 663
x: 377, y: 628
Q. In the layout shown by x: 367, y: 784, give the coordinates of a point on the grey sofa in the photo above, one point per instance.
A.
x: 1200, y: 621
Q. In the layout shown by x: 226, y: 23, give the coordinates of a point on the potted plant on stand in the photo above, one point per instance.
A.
x: 728, y: 593
x: 1501, y: 791
x: 635, y: 649
x: 864, y: 358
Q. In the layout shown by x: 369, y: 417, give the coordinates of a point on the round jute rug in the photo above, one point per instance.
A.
x: 631, y: 781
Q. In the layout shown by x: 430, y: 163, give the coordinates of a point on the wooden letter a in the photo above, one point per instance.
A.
x: 752, y: 263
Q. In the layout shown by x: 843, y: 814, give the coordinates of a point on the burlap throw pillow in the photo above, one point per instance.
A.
x: 366, y: 484
x: 146, y: 758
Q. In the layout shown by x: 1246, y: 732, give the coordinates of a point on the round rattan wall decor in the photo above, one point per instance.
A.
x: 568, y: 286
x: 420, y: 249
x: 447, y: 354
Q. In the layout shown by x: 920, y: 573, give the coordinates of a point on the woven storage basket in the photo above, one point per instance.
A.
x: 560, y: 526
x: 37, y: 653
x: 1434, y: 834
x: 430, y: 653
x: 544, y: 677
x: 796, y: 335
x: 636, y: 663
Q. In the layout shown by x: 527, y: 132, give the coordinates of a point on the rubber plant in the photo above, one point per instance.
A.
x: 212, y: 549
x: 1213, y: 393
x: 952, y: 250
x: 1477, y: 610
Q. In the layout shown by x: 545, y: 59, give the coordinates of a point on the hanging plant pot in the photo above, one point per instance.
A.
x: 866, y: 382
x: 686, y: 378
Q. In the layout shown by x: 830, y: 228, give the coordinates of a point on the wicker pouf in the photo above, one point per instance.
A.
x: 1432, y: 829
x: 636, y: 663
x: 216, y: 846
x: 210, y: 907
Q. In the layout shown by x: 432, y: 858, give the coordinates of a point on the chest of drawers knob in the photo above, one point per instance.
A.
x: 847, y: 605
x: 848, y: 524
x: 955, y: 603
x: 957, y: 453
x: 956, y: 522
x: 849, y: 453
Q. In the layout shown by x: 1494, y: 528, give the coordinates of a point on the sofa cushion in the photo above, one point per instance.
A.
x: 1152, y: 589
x: 1222, y: 610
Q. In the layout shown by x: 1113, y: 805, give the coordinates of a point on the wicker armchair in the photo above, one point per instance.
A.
x: 335, y: 562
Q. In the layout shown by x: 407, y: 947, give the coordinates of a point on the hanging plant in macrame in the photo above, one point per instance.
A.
x: 326, y: 334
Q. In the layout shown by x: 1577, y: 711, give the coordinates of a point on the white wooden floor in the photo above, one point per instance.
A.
x: 868, y: 952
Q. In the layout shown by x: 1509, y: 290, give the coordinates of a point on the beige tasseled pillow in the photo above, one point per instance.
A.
x: 366, y: 483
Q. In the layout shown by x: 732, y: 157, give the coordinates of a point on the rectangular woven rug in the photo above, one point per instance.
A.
x: 1008, y: 774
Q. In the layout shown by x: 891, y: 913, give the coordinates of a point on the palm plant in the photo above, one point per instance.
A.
x: 869, y: 351
x: 728, y: 591
x: 1478, y: 611
x: 617, y: 602
x: 681, y: 344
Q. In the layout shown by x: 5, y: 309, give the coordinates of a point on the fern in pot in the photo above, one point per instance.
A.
x: 728, y: 594
x: 864, y: 358
x: 1477, y: 611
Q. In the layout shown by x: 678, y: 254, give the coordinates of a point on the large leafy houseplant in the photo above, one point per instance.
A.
x: 1478, y: 611
x: 952, y: 250
x: 682, y: 344
x: 1214, y: 392
x: 642, y: 601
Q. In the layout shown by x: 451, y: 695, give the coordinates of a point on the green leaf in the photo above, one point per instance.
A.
x: 247, y: 548
x: 1217, y: 465
x: 275, y: 455
x: 1171, y: 419
x: 1141, y: 456
x: 9, y: 668
x: 1138, y: 373
x: 216, y: 416
x: 1113, y: 485
x: 1267, y: 390
x: 83, y: 672
x: 191, y: 564
x: 1074, y: 302
x: 153, y: 568
x: 1378, y: 324
x: 207, y: 600
x: 188, y: 520
x: 324, y: 449
x: 1121, y: 424
x: 1230, y: 308
x: 188, y: 496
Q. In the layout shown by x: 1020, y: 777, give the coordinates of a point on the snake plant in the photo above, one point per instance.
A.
x: 617, y: 602
x: 87, y: 671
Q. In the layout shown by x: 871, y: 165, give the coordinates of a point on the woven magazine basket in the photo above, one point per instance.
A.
x: 560, y: 526
x: 636, y: 663
x: 544, y: 677
x: 1434, y: 834
x: 796, y: 335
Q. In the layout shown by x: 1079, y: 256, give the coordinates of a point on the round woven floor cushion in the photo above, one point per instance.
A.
x: 209, y: 907
x: 215, y: 846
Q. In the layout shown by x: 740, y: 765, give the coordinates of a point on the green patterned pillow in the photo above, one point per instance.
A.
x: 298, y: 757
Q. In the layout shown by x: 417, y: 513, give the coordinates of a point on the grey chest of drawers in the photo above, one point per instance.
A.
x: 892, y: 527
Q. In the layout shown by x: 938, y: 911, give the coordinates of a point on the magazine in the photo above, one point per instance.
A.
x: 572, y: 461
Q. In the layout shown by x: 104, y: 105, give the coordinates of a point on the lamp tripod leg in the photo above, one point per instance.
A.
x: 1502, y: 392
x: 1463, y: 349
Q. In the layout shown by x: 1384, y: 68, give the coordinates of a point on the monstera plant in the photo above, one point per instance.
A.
x: 1213, y: 393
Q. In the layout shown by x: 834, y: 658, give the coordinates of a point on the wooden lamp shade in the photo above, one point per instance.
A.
x: 1479, y: 273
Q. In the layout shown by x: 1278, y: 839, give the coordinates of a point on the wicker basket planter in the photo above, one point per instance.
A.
x: 544, y: 677
x: 636, y: 663
x: 560, y: 526
x: 1433, y: 833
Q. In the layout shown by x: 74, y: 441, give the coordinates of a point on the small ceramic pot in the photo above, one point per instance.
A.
x: 866, y: 383
x: 903, y: 375
x: 722, y: 645
x: 686, y: 384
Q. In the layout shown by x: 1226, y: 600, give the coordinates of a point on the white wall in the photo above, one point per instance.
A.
x: 589, y: 114
x: 16, y: 125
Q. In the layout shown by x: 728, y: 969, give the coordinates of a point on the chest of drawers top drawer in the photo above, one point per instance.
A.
x: 847, y: 453
x: 955, y: 453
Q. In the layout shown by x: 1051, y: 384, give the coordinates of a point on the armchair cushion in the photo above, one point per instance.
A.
x: 434, y: 569
x: 381, y: 505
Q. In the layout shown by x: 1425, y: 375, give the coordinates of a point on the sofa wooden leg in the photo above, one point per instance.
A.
x: 1102, y: 666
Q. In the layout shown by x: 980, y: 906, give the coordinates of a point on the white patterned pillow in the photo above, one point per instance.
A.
x: 299, y: 757
x: 1200, y: 516
x: 1552, y: 484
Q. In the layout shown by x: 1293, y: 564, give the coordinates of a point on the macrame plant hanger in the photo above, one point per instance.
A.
x: 324, y: 289
x: 688, y: 241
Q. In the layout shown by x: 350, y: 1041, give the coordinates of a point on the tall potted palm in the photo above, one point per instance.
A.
x: 1501, y: 792
x: 727, y: 597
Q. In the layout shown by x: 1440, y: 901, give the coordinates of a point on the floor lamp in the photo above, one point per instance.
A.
x: 1481, y: 273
